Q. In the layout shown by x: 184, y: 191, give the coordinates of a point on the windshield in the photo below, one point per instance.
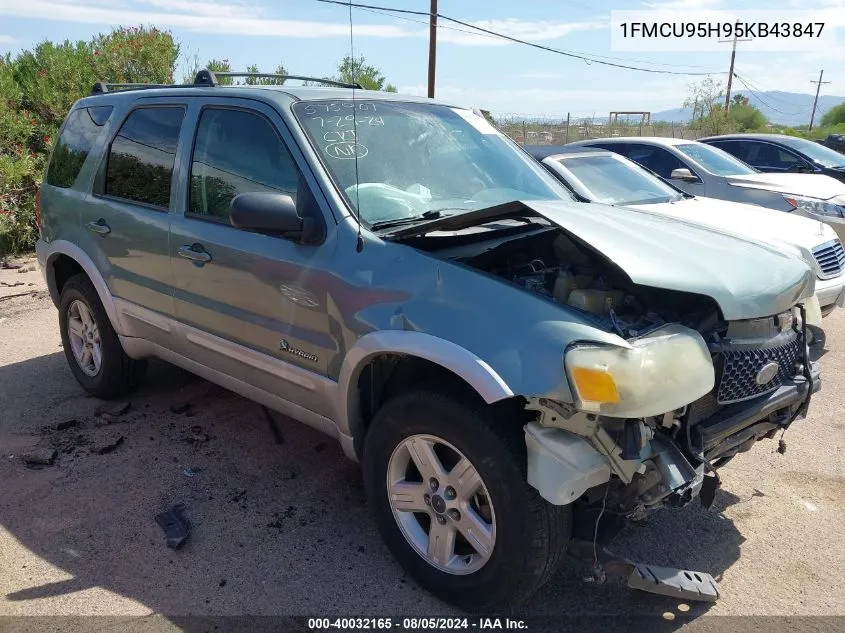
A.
x: 715, y: 160
x: 818, y: 153
x: 617, y: 181
x: 419, y: 158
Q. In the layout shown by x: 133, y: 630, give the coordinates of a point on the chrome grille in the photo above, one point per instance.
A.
x: 830, y: 257
x: 739, y: 368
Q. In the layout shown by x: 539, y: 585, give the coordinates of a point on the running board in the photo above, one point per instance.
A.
x: 678, y: 583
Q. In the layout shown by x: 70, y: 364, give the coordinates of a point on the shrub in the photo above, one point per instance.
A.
x: 38, y: 87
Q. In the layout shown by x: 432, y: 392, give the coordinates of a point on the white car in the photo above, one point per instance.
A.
x: 595, y: 175
x: 704, y: 170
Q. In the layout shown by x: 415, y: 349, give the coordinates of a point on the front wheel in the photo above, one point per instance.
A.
x: 446, y: 480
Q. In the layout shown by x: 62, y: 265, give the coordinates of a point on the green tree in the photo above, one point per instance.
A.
x: 38, y: 87
x: 746, y: 117
x: 220, y: 66
x: 708, y: 113
x: 834, y: 116
x: 357, y: 70
x: 266, y: 81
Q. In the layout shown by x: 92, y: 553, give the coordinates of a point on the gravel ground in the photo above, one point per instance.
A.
x: 280, y: 525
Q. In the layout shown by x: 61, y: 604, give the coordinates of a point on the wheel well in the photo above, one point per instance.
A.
x: 64, y: 267
x: 388, y: 375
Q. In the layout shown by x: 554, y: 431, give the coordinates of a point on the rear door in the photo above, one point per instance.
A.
x: 662, y: 162
x: 254, y: 306
x: 129, y: 214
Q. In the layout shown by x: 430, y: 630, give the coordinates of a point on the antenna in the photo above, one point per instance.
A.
x: 359, y: 242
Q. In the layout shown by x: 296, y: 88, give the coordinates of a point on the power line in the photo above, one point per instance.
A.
x: 585, y: 58
x: 763, y: 101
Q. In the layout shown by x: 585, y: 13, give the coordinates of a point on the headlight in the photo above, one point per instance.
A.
x: 815, y: 206
x: 662, y: 371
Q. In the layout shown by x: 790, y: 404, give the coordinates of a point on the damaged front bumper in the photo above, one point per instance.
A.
x: 571, y: 452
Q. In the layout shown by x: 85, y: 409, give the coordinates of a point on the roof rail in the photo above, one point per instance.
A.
x: 206, y: 78
x: 209, y: 78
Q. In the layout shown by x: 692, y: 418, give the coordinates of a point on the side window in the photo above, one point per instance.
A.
x: 237, y: 152
x: 141, y: 157
x: 78, y: 136
x: 657, y: 159
x: 734, y: 148
x: 768, y: 155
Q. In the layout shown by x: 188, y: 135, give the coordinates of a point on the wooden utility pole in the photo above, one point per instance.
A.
x: 432, y: 47
x: 731, y: 71
x: 816, y: 100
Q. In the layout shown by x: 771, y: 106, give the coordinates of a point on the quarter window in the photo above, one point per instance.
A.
x: 78, y: 136
x: 141, y: 158
x: 237, y: 152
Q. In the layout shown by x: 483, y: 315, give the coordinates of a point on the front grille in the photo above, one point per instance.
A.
x: 739, y: 369
x: 830, y: 257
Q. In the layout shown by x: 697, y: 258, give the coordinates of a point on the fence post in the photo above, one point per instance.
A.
x: 673, y: 129
x: 641, y: 127
x: 524, y: 134
x: 566, y: 133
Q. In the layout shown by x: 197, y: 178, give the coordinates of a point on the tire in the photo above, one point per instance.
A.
x: 530, y: 535
x: 116, y: 373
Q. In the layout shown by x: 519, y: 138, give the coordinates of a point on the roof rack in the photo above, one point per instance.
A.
x: 208, y: 78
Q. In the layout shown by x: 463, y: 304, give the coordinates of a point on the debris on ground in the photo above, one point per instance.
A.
x: 112, y: 413
x: 191, y: 472
x: 176, y: 527
x: 108, y: 445
x: 67, y: 424
x: 40, y: 457
x: 12, y: 284
x: 20, y: 294
x: 198, y: 435
x: 9, y: 265
x: 179, y: 409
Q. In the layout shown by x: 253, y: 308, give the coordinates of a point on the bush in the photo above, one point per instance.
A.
x: 38, y: 87
x: 834, y: 116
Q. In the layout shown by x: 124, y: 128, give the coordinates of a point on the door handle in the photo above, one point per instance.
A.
x: 196, y: 253
x: 99, y: 227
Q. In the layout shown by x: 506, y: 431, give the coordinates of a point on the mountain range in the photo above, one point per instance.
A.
x: 784, y: 108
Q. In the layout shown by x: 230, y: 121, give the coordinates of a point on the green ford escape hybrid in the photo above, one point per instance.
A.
x: 398, y: 274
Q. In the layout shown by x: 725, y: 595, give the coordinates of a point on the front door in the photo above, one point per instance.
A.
x: 254, y: 304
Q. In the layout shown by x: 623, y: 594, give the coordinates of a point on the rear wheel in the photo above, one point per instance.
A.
x: 446, y: 480
x: 91, y: 346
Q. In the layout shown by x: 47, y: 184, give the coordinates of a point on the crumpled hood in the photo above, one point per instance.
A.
x: 746, y: 279
x: 808, y: 185
x: 782, y: 230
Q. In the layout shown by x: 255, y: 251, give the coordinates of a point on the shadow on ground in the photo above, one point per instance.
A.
x: 279, y: 520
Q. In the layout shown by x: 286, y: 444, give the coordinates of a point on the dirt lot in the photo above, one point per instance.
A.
x: 280, y: 524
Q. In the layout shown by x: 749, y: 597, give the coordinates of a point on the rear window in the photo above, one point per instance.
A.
x: 80, y: 132
x: 141, y: 157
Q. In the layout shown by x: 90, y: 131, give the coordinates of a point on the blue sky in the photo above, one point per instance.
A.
x: 310, y: 37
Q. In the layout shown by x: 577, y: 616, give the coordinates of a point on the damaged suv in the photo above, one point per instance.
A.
x: 398, y: 274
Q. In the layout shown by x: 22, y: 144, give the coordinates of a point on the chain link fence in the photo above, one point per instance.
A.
x: 532, y: 130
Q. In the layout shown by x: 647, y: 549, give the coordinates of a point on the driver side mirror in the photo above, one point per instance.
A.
x: 682, y: 173
x: 273, y: 214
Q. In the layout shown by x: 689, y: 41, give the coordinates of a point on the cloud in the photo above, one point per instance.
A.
x: 7, y: 39
x: 234, y: 18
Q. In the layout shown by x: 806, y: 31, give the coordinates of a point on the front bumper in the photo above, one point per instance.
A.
x: 735, y: 428
x: 830, y: 293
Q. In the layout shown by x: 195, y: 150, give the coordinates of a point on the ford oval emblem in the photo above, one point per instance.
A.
x: 767, y: 373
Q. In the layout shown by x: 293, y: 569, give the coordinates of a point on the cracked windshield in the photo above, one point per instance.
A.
x: 418, y: 161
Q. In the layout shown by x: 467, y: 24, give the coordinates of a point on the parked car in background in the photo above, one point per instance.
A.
x: 598, y: 175
x: 395, y: 272
x: 835, y: 142
x: 704, y: 170
x: 779, y: 153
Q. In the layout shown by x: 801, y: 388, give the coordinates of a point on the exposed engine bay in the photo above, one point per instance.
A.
x: 763, y: 377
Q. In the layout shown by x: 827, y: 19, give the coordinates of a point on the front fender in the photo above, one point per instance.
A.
x: 475, y: 371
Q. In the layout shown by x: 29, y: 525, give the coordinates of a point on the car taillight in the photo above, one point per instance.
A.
x: 38, y: 208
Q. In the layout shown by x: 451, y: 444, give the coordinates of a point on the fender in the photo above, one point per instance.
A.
x: 476, y: 372
x: 47, y: 253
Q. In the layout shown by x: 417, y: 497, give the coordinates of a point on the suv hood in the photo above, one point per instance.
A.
x: 782, y: 230
x: 745, y: 279
x: 808, y: 185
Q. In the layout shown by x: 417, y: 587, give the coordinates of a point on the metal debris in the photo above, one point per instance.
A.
x: 176, y: 527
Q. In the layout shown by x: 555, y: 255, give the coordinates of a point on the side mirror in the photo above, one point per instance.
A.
x: 684, y: 174
x: 272, y: 213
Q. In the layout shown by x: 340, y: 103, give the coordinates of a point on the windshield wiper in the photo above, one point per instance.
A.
x: 387, y: 224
